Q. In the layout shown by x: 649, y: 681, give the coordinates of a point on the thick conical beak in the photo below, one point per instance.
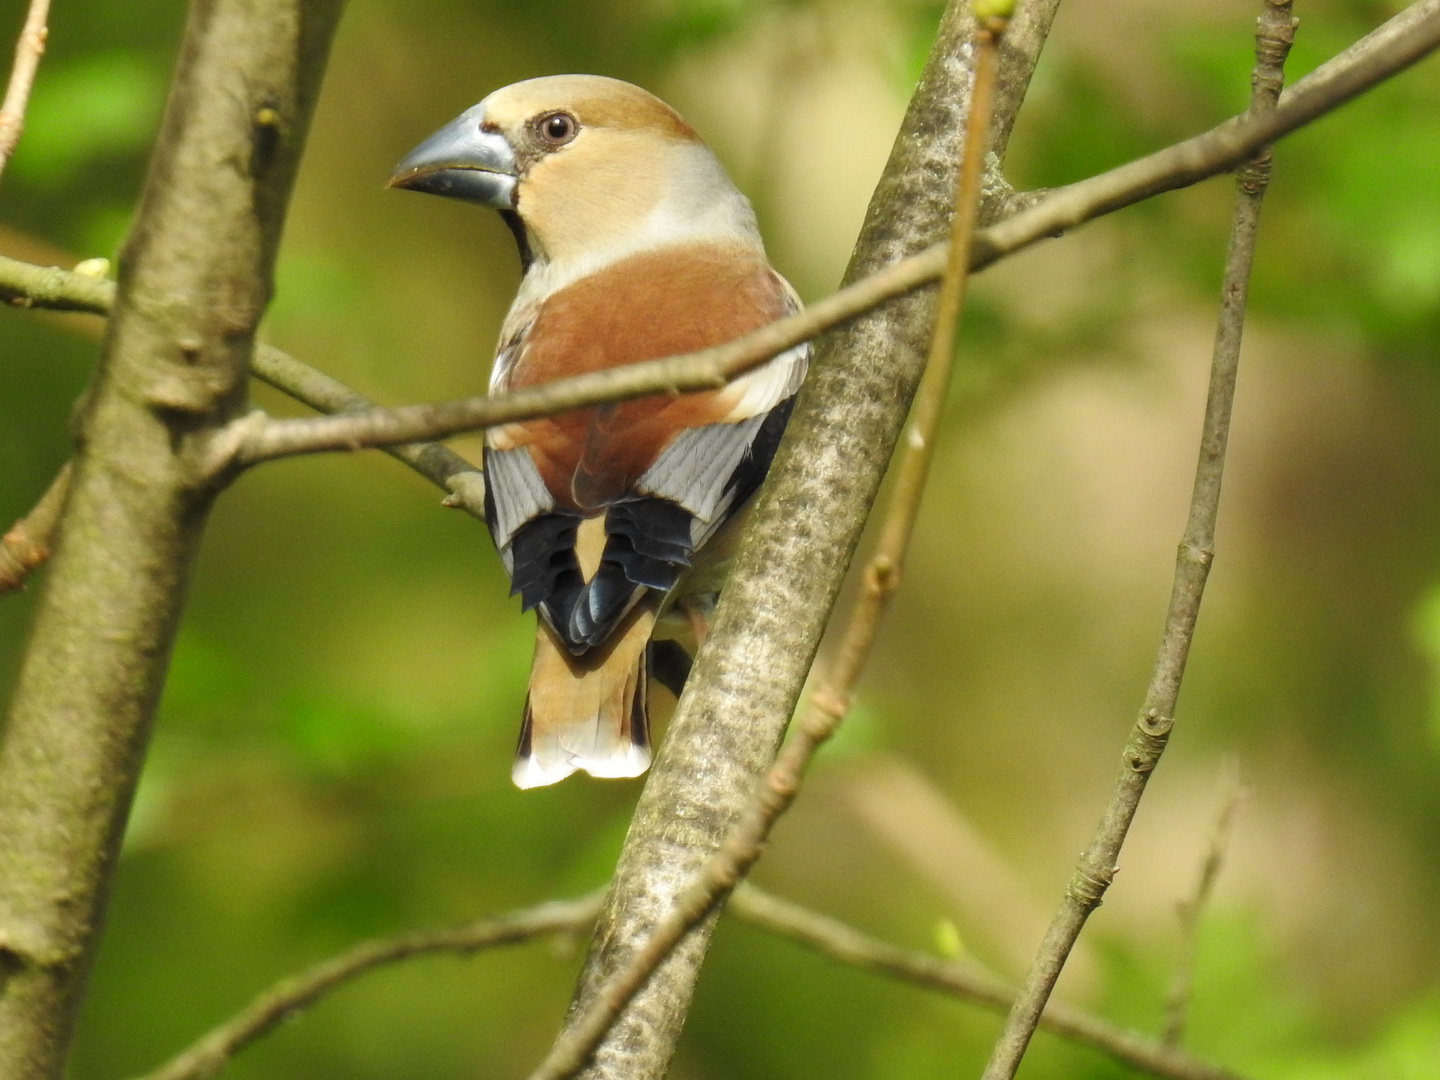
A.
x: 463, y: 162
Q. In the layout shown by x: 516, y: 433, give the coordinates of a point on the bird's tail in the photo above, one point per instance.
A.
x: 587, y: 712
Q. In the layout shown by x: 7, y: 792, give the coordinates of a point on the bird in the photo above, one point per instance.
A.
x: 614, y: 522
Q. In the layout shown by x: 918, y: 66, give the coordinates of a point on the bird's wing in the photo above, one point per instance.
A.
x: 663, y: 473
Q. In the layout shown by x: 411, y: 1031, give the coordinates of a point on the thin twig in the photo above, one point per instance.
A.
x: 28, y: 51
x: 24, y: 284
x: 208, y: 1055
x: 1098, y: 863
x: 436, y: 462
x: 1177, y: 1001
x: 777, y: 790
x: 29, y: 540
x: 966, y: 981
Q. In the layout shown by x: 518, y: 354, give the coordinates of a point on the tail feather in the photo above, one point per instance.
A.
x: 587, y: 712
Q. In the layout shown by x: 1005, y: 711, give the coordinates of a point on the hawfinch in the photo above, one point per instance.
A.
x: 635, y: 245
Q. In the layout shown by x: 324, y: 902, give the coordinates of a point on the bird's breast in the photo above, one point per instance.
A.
x: 662, y: 303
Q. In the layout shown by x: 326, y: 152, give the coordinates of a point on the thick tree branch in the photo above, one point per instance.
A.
x: 1098, y: 863
x: 804, y: 527
x: 28, y: 50
x: 196, y: 274
x: 776, y: 792
x: 208, y: 1055
x: 966, y: 981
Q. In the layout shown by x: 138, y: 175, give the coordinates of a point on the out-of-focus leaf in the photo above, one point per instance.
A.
x: 86, y: 109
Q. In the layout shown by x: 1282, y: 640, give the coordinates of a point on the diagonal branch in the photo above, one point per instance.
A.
x: 289, y: 997
x: 776, y: 792
x: 1400, y: 42
x: 786, y: 575
x: 1098, y: 863
x: 968, y: 982
x: 30, y: 540
x: 436, y: 462
x: 28, y: 51
x: 208, y: 1055
x: 1186, y: 163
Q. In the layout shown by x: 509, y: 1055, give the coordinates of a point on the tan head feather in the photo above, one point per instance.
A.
x: 632, y: 177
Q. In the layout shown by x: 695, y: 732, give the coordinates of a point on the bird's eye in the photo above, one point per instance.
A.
x: 556, y: 129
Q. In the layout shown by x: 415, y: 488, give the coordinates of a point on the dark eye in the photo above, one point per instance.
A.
x: 557, y: 129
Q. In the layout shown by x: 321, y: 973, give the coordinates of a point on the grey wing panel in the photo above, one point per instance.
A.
x: 516, y: 491
x: 694, y: 470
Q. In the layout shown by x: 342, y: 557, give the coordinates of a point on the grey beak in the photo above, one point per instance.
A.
x: 462, y: 162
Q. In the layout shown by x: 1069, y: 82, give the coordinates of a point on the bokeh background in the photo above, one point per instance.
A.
x: 332, y: 758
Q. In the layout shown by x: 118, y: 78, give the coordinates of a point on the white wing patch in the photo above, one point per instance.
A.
x: 769, y: 384
x: 517, y: 491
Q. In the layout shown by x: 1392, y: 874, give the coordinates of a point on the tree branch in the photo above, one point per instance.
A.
x: 969, y: 982
x: 208, y: 1055
x: 803, y: 531
x: 746, y: 840
x: 211, y: 1053
x: 1098, y: 863
x: 1400, y: 42
x: 444, y: 468
x: 197, y: 274
x: 29, y: 542
x: 1377, y: 58
x: 28, y: 50
x: 26, y: 285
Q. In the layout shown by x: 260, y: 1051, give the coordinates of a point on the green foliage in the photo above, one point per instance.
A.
x: 88, y: 111
x: 331, y: 759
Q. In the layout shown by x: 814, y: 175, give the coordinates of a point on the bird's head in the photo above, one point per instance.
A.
x: 586, y: 169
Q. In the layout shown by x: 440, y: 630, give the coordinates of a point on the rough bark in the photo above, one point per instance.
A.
x: 195, y: 278
x: 787, y: 573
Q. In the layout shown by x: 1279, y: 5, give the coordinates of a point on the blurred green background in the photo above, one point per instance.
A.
x: 332, y: 759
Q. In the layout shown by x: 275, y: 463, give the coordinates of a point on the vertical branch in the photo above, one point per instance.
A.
x: 785, y: 578
x: 745, y: 841
x: 1097, y: 866
x: 28, y: 51
x: 195, y: 277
